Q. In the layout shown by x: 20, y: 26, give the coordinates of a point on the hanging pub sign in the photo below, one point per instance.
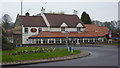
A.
x: 33, y: 30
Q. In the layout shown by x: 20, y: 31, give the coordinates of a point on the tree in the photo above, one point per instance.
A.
x: 86, y: 18
x: 6, y: 45
x: 6, y: 19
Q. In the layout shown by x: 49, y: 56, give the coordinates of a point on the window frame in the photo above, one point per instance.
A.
x: 62, y: 28
x: 39, y: 30
x: 26, y: 29
x: 79, y: 29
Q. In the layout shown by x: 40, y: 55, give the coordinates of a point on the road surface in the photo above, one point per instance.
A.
x: 100, y: 56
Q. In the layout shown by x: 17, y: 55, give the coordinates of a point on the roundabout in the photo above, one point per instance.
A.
x: 99, y: 56
x: 40, y: 55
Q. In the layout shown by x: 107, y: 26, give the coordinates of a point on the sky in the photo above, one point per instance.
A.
x: 102, y: 10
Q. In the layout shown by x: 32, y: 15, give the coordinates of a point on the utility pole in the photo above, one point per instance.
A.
x: 21, y: 7
x: 66, y: 32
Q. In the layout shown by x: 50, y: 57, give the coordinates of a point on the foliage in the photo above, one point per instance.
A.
x: 6, y: 45
x: 33, y: 56
x: 6, y: 19
x: 86, y: 18
x: 99, y: 23
x: 39, y: 50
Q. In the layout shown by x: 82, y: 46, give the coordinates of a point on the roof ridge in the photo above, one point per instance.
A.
x: 30, y: 16
x: 60, y: 14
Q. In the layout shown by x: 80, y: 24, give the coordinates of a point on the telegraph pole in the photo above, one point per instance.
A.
x: 21, y: 7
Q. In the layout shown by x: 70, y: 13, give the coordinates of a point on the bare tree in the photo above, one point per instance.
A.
x: 6, y: 19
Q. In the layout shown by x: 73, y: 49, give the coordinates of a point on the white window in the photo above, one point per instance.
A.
x: 40, y: 30
x: 79, y: 29
x: 62, y: 28
x: 26, y: 30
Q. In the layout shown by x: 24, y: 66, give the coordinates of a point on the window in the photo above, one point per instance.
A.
x: 78, y: 29
x: 62, y: 28
x: 40, y: 29
x: 26, y: 30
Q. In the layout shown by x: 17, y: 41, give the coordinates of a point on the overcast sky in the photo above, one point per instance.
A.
x: 102, y: 10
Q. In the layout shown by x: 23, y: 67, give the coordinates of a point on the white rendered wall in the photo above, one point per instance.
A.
x: 66, y: 29
x: 70, y: 29
x: 55, y: 29
x: 25, y: 36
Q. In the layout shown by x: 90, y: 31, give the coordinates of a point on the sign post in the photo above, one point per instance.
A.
x: 109, y: 36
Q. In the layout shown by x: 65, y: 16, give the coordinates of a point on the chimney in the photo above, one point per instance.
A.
x: 42, y: 10
x: 75, y: 12
x: 18, y: 14
x: 27, y: 14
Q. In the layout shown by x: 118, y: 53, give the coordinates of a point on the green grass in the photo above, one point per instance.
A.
x: 0, y: 56
x: 33, y: 56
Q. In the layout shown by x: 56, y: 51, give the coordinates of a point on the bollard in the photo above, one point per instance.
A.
x: 68, y: 49
x: 72, y: 49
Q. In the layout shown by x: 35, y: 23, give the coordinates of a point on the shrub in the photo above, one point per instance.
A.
x: 6, y: 45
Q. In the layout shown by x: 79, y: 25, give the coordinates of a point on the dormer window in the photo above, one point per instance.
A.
x: 79, y: 29
x: 63, y: 26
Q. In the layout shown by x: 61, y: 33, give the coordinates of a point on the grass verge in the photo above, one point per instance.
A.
x: 33, y: 56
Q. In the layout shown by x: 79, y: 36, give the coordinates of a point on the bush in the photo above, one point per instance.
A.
x: 9, y: 46
x: 6, y: 45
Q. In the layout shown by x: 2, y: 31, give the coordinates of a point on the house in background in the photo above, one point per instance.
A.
x: 55, y: 28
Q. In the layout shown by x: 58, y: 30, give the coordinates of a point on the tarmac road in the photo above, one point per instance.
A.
x: 100, y: 56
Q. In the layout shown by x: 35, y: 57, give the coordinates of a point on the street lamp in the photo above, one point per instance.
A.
x: 66, y: 32
x: 70, y: 49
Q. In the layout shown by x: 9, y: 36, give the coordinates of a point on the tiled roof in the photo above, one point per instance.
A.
x: 91, y: 31
x: 55, y: 20
x: 47, y: 34
x: 95, y: 28
x: 91, y: 27
x: 104, y: 30
x: 33, y: 21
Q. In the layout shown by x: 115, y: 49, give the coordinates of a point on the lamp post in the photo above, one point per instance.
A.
x: 70, y: 49
x: 66, y: 32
